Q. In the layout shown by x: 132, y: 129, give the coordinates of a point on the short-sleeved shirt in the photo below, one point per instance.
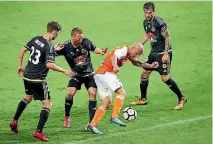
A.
x: 41, y: 52
x: 79, y: 58
x: 154, y: 30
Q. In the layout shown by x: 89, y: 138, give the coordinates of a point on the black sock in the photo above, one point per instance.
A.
x: 68, y: 105
x: 92, y: 109
x: 173, y: 86
x: 22, y: 105
x: 143, y: 87
x: 43, y: 118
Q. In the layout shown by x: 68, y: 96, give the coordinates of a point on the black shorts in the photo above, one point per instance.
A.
x: 164, y: 68
x: 78, y: 81
x: 39, y: 90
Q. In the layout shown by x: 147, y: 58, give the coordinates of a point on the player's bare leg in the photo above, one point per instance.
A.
x: 143, y: 88
x: 174, y: 87
x: 92, y: 104
x: 68, y: 105
x: 118, y: 103
x: 22, y: 105
x: 38, y: 133
x: 99, y: 114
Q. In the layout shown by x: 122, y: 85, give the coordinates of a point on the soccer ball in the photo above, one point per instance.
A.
x: 129, y: 114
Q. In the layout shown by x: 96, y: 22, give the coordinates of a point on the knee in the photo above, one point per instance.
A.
x: 92, y: 94
x: 122, y: 95
x: 29, y: 98
x: 164, y: 78
x: 106, y: 106
x: 70, y: 93
x: 47, y: 104
x: 144, y: 75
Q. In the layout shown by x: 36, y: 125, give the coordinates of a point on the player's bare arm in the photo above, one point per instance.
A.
x: 21, y: 55
x: 138, y: 63
x: 100, y: 51
x: 114, y: 63
x: 166, y: 35
x: 146, y: 65
x: 144, y: 39
x: 54, y: 67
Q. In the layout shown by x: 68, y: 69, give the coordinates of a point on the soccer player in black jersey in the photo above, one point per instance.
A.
x: 157, y: 31
x: 77, y: 54
x: 41, y: 59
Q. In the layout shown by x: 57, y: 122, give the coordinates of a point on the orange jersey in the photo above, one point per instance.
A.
x: 122, y: 54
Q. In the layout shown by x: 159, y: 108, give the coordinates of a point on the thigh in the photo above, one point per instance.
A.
x: 113, y: 81
x: 102, y: 86
x: 121, y: 93
x: 71, y: 91
x: 164, y: 68
x: 27, y: 87
x: 75, y: 82
x: 89, y: 82
x: 40, y: 91
x: 146, y: 73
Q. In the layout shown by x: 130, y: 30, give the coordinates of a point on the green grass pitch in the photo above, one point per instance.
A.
x: 110, y: 24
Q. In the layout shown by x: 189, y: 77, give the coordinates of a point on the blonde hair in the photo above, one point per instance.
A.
x: 76, y: 30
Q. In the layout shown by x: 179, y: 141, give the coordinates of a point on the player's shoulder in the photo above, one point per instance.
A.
x: 41, y: 39
x: 34, y: 38
x: 85, y: 40
x: 39, y: 42
x: 67, y: 42
x: 122, y: 48
x: 159, y: 20
x: 145, y: 22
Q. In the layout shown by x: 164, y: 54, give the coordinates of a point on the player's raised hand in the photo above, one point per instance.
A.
x: 104, y: 51
x: 69, y: 73
x: 20, y: 71
x: 165, y: 58
x: 115, y: 69
x: 59, y: 46
x: 155, y: 65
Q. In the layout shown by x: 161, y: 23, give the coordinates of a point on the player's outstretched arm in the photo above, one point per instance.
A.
x: 144, y: 39
x: 146, y: 65
x: 100, y: 51
x: 134, y: 61
x: 54, y: 67
x: 143, y: 64
x: 20, y: 66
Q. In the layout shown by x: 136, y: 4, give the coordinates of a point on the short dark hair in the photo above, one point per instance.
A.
x: 149, y: 5
x: 51, y: 26
x: 76, y: 30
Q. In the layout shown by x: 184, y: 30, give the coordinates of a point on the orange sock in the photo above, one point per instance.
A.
x: 118, y: 102
x: 99, y: 114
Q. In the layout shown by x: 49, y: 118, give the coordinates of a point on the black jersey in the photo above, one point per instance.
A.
x: 41, y: 52
x: 79, y: 58
x: 154, y: 30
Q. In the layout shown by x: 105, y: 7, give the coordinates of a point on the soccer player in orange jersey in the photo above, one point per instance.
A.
x: 108, y: 83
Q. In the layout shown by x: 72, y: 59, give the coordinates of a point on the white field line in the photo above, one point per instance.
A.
x: 109, y: 135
